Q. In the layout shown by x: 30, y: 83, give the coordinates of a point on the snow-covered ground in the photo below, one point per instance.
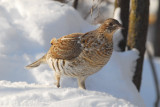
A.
x: 26, y: 28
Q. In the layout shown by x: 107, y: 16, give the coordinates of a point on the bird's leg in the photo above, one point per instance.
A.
x: 57, y: 77
x: 81, y: 82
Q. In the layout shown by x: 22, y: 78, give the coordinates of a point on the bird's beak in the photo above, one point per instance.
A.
x: 120, y: 26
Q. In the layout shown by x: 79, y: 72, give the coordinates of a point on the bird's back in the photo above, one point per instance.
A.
x: 66, y: 47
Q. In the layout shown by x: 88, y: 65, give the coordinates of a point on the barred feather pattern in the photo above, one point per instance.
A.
x: 95, y: 51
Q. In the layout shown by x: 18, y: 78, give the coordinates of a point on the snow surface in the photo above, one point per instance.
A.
x: 26, y: 29
x: 21, y: 94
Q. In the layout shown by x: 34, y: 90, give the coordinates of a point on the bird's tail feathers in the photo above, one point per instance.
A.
x: 37, y: 63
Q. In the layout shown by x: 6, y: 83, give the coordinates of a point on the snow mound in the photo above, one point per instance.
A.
x: 27, y: 28
x: 20, y: 94
x: 114, y: 78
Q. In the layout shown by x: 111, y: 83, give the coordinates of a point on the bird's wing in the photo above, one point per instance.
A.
x: 67, y: 47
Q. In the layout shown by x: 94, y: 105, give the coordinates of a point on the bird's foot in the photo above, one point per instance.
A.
x: 57, y: 85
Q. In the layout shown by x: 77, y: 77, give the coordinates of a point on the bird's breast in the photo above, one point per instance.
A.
x: 97, y: 53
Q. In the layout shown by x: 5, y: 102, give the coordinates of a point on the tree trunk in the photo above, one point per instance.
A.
x: 124, y: 16
x: 138, y: 26
x: 157, y: 34
x: 75, y: 4
x: 62, y: 1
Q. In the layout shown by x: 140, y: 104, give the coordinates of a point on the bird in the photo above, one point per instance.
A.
x: 80, y: 55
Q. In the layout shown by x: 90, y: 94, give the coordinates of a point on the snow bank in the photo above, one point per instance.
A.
x: 114, y: 78
x: 20, y: 94
x: 25, y: 32
x: 27, y: 28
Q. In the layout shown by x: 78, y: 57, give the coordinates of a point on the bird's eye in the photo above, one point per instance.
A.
x: 110, y: 24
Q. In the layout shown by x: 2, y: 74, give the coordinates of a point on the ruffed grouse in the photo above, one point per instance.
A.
x: 80, y: 55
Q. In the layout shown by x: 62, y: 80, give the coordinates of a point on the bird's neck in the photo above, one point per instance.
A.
x: 108, y: 36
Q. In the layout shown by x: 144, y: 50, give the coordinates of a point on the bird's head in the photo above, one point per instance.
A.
x: 54, y: 40
x: 110, y: 26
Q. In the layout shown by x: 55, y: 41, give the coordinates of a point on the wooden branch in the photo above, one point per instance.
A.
x: 157, y: 34
x: 62, y: 1
x: 138, y: 26
x: 124, y: 15
x: 75, y: 4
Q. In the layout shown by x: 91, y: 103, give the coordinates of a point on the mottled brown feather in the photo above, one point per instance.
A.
x: 67, y: 47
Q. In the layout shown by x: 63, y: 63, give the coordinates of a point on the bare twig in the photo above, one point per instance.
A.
x: 155, y: 78
x: 96, y: 6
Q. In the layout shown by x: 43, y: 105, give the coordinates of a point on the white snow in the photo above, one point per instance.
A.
x: 20, y: 94
x: 26, y: 28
